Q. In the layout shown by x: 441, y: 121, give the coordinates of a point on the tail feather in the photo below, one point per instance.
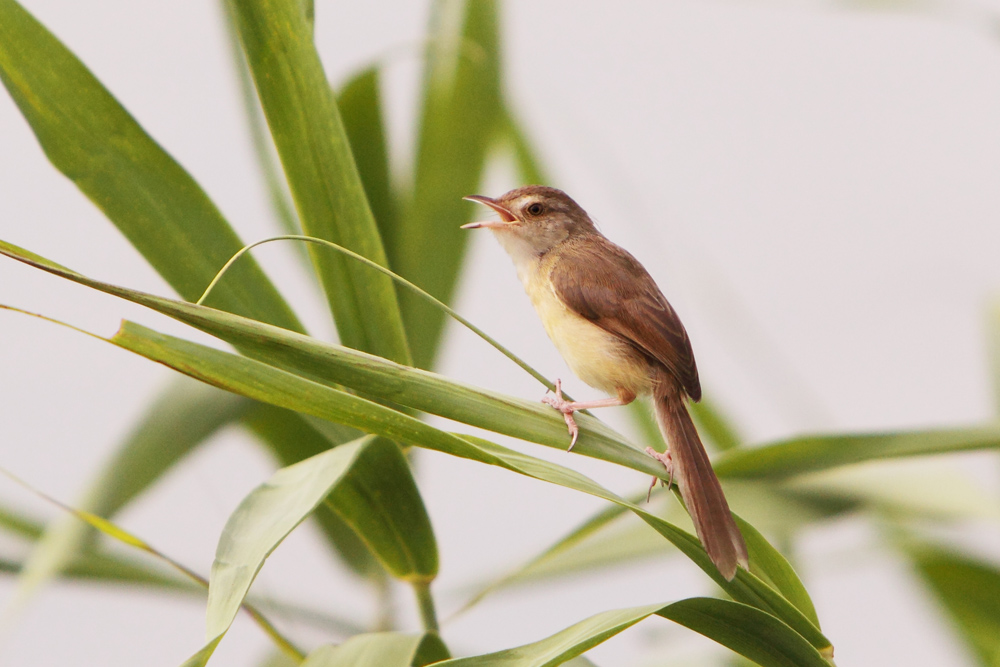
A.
x: 698, y: 484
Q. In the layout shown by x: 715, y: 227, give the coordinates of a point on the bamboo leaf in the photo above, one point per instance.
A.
x: 376, y: 649
x: 969, y: 589
x: 92, y: 139
x: 767, y: 562
x: 293, y: 438
x: 263, y: 147
x: 327, y: 191
x: 260, y: 523
x: 360, y: 105
x: 812, y: 453
x: 337, y: 365
x: 380, y: 500
x: 390, y: 517
x: 459, y: 121
x: 744, y: 629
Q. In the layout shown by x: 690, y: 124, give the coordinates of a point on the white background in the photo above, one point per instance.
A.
x: 815, y: 187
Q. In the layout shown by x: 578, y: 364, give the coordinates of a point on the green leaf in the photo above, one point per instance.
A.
x: 294, y: 437
x: 768, y: 563
x: 809, y: 454
x: 263, y: 520
x: 969, y: 589
x: 361, y: 110
x: 376, y: 649
x: 337, y: 365
x: 92, y: 139
x: 261, y: 382
x: 327, y: 191
x: 747, y: 631
x: 528, y: 165
x: 459, y: 121
x: 263, y: 147
x: 380, y: 500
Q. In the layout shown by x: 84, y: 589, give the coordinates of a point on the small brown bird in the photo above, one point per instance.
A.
x: 617, y: 333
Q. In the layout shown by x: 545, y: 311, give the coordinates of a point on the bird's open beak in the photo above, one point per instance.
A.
x: 506, y: 217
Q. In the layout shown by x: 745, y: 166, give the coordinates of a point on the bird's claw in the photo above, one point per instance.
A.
x: 566, y: 408
x: 668, y: 463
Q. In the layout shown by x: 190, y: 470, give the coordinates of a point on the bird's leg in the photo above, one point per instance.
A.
x: 567, y: 408
x: 668, y: 463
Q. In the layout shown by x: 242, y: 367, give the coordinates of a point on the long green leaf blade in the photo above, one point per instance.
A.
x: 360, y: 103
x: 92, y: 139
x: 380, y: 500
x: 809, y: 454
x: 314, y: 151
x: 460, y: 119
x: 417, y: 389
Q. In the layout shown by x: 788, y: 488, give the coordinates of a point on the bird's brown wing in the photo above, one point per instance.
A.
x: 615, y: 292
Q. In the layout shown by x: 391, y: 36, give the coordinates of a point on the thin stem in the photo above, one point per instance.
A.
x: 399, y: 279
x: 428, y: 616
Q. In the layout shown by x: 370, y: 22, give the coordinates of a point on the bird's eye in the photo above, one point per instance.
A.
x: 535, y: 209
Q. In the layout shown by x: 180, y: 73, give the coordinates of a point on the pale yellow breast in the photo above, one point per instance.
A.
x: 597, y: 357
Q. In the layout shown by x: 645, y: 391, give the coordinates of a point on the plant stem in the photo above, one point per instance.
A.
x: 428, y: 616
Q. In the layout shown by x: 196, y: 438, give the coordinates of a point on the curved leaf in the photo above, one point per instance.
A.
x: 744, y: 629
x: 360, y: 105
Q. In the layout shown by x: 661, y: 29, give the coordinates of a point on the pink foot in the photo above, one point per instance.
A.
x: 668, y: 463
x: 567, y: 409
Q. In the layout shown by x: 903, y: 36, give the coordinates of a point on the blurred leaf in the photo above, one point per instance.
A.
x: 459, y: 120
x: 263, y: 147
x: 926, y: 488
x: 279, y: 659
x: 743, y: 629
x: 361, y: 110
x: 528, y: 165
x: 328, y: 194
x: 969, y: 589
x: 376, y: 649
x: 809, y: 454
x: 13, y: 521
x: 180, y: 419
x: 92, y: 139
x: 712, y: 425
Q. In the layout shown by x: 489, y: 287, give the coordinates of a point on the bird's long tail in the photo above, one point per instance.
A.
x: 698, y: 484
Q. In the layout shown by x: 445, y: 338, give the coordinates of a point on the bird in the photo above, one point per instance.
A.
x: 617, y: 333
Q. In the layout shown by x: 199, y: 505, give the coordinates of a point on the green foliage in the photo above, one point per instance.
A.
x: 343, y: 421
